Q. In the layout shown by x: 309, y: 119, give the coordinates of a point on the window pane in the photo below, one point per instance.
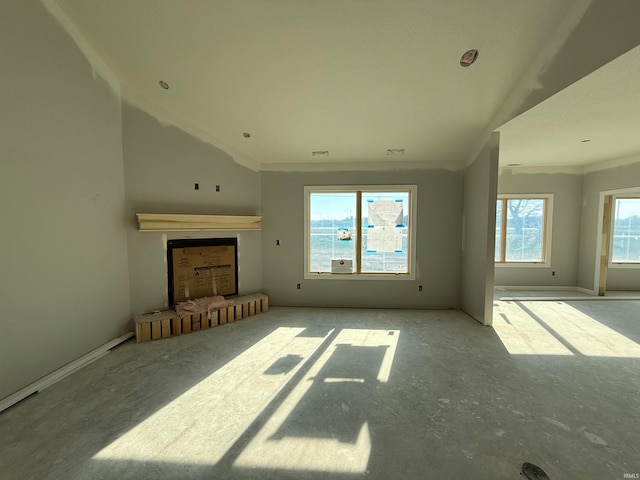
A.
x: 385, y: 232
x: 524, y: 230
x: 498, y: 229
x: 333, y: 233
x: 626, y: 231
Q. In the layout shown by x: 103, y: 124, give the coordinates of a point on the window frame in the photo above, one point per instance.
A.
x: 412, y: 190
x: 611, y: 263
x: 546, y: 235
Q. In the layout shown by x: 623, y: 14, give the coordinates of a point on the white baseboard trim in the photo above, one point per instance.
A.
x: 591, y: 294
x: 585, y: 290
x: 543, y: 287
x: 62, y: 372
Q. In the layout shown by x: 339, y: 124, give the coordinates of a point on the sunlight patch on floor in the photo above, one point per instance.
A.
x: 199, y: 426
x: 557, y: 328
x: 290, y: 441
x: 585, y: 334
x: 521, y: 334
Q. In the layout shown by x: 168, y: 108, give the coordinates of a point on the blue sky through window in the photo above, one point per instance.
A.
x: 341, y: 205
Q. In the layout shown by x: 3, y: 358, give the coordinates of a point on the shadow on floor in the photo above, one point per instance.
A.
x: 453, y: 403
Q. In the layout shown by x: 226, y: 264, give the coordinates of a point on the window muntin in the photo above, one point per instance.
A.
x: 522, y: 229
x: 370, y: 225
x: 625, y: 245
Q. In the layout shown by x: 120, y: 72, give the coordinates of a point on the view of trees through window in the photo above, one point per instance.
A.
x: 625, y: 246
x: 334, y: 228
x: 520, y: 230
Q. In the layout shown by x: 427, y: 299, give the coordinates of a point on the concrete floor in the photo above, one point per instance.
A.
x: 305, y: 393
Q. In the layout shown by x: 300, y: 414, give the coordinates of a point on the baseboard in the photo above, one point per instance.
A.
x: 543, y: 287
x: 591, y: 295
x: 62, y: 372
x: 585, y: 290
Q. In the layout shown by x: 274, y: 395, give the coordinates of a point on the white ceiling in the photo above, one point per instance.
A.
x: 603, y: 108
x: 355, y: 78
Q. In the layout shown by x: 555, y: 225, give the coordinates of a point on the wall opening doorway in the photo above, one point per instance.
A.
x: 618, y: 240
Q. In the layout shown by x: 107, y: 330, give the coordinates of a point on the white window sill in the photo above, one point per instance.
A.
x: 523, y: 265
x: 359, y: 276
x: 624, y: 265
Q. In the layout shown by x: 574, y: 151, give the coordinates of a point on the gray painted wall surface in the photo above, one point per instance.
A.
x: 438, y: 243
x: 480, y: 190
x: 567, y: 203
x: 162, y: 164
x: 623, y: 279
x: 63, y: 250
x: 627, y: 176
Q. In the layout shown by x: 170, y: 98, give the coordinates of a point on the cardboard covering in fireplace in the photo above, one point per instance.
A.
x: 194, y: 267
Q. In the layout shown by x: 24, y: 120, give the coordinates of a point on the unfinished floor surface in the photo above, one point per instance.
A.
x: 306, y: 393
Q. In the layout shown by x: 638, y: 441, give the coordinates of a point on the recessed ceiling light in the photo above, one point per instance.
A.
x: 468, y: 57
x: 514, y: 164
x: 164, y: 84
x: 320, y: 153
x: 246, y: 135
x: 395, y: 151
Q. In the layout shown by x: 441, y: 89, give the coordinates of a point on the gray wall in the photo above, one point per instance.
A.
x: 623, y: 279
x: 480, y: 190
x: 64, y: 285
x: 162, y: 164
x: 627, y: 176
x: 567, y: 203
x: 438, y: 243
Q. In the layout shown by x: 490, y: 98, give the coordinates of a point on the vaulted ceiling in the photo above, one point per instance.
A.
x: 271, y: 82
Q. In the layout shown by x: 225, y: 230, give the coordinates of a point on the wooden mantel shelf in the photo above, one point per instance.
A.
x: 166, y: 222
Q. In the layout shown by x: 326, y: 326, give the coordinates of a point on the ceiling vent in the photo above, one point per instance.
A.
x: 395, y: 151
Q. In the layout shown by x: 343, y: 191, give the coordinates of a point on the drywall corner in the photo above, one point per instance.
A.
x: 478, y: 234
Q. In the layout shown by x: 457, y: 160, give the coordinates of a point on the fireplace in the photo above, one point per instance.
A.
x: 202, y: 267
